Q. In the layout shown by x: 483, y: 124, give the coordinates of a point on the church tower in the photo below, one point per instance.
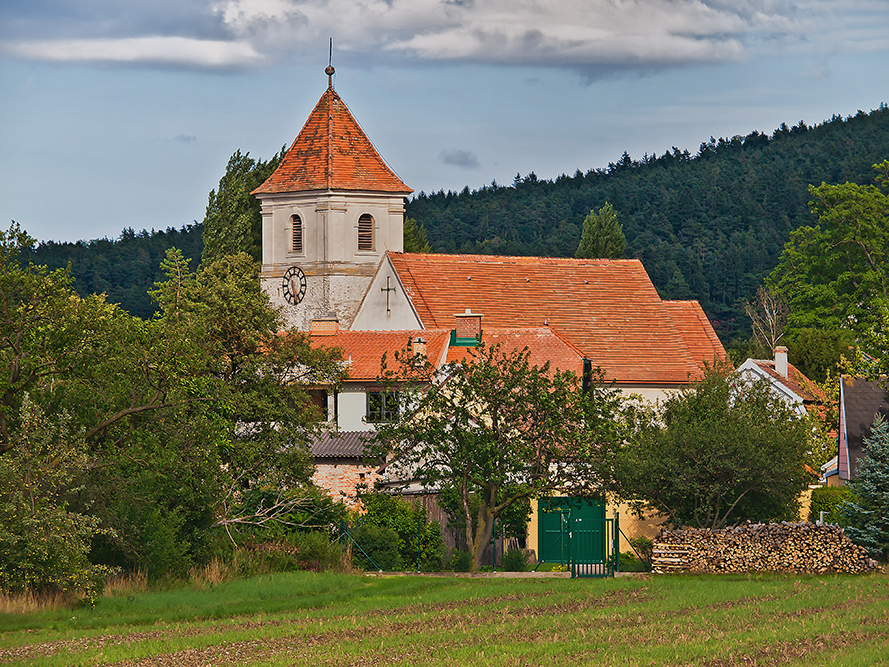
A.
x: 330, y: 211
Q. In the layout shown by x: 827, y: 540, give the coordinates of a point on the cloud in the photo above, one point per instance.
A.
x: 588, y: 35
x: 459, y: 158
x: 185, y: 138
x: 158, y: 50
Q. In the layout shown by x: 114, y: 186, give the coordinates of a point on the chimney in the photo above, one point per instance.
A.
x: 469, y: 324
x: 325, y: 326
x: 419, y: 346
x: 781, y: 361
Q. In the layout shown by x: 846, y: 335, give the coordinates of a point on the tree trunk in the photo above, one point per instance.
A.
x: 484, y: 528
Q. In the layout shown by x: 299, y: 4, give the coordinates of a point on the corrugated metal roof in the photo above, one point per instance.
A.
x: 340, y: 444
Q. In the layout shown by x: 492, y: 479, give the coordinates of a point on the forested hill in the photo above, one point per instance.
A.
x: 125, y: 268
x: 707, y: 226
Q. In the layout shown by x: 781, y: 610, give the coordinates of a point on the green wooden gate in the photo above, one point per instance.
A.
x: 575, y: 532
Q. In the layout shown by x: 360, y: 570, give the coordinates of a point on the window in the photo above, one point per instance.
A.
x: 366, y: 232
x: 318, y: 400
x: 382, y: 406
x: 296, y: 224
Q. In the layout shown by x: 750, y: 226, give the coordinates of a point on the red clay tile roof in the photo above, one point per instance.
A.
x: 796, y: 382
x: 366, y: 348
x: 543, y: 344
x: 332, y: 152
x: 607, y: 308
x: 701, y: 341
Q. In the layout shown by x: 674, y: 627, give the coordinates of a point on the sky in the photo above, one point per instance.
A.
x: 120, y: 114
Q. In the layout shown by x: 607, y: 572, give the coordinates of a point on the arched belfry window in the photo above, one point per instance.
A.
x: 296, y: 233
x: 366, y: 232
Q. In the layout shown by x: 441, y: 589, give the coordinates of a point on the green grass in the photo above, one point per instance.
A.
x: 332, y: 619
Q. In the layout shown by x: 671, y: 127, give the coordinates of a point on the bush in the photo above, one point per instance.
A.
x: 629, y: 562
x: 644, y: 547
x: 317, y: 552
x: 380, y: 545
x: 460, y: 561
x: 514, y: 560
x: 408, y: 521
x: 828, y: 499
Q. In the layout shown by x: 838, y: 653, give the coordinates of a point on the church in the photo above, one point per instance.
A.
x: 333, y: 260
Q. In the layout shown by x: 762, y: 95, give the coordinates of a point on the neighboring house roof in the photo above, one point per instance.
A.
x: 607, y: 308
x: 363, y: 350
x: 796, y: 387
x: 860, y: 402
x: 543, y: 344
x: 342, y: 444
x: 332, y: 152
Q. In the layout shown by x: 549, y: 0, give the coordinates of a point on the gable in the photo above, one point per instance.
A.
x: 387, y: 304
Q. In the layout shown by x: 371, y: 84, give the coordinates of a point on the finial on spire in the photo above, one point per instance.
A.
x: 329, y: 70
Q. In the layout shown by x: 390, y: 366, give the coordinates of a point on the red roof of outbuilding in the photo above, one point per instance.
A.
x: 363, y: 350
x: 332, y: 152
x: 607, y: 308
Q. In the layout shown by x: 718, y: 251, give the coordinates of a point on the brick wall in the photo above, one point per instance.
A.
x: 340, y: 478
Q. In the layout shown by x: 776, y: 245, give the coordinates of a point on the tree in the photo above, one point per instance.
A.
x: 768, y: 315
x: 415, y: 237
x: 233, y: 221
x: 44, y: 546
x: 834, y: 275
x: 867, y: 517
x: 499, y: 427
x: 716, y: 453
x: 602, y: 236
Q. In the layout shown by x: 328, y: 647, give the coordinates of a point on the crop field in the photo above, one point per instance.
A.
x: 334, y: 619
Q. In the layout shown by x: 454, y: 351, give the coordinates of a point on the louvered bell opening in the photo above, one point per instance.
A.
x: 366, y: 232
x: 297, y: 233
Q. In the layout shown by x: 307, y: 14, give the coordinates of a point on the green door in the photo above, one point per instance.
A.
x: 563, y: 517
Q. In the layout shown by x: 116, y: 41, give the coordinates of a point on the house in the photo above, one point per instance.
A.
x: 860, y: 403
x: 785, y: 380
x: 332, y: 258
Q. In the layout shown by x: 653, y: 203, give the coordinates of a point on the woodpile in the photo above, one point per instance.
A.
x: 760, y: 547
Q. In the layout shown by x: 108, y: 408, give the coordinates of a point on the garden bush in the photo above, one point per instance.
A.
x: 829, y: 499
x: 514, y: 560
x: 380, y: 545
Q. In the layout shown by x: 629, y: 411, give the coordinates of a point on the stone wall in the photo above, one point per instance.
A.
x: 760, y: 547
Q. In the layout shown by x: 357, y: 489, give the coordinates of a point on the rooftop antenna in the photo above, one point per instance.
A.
x: 329, y: 70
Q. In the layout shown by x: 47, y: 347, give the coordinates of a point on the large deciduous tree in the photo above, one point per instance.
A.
x: 171, y: 414
x: 834, y: 275
x: 499, y: 428
x: 716, y: 453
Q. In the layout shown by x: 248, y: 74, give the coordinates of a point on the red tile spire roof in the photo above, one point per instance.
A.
x: 332, y: 152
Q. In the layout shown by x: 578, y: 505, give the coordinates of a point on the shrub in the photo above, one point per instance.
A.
x: 629, y: 562
x: 828, y: 499
x: 514, y: 560
x: 408, y: 521
x: 380, y: 546
x: 644, y: 547
x: 460, y: 561
x: 318, y: 552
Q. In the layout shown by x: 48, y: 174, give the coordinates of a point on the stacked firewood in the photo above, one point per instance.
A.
x: 760, y: 547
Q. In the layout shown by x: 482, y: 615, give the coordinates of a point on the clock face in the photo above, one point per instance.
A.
x: 294, y: 285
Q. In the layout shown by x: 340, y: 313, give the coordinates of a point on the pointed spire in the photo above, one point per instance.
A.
x: 332, y: 152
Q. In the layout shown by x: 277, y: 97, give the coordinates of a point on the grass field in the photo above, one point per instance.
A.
x: 331, y: 619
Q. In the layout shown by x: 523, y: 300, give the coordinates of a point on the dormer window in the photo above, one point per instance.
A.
x: 366, y: 232
x: 296, y: 234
